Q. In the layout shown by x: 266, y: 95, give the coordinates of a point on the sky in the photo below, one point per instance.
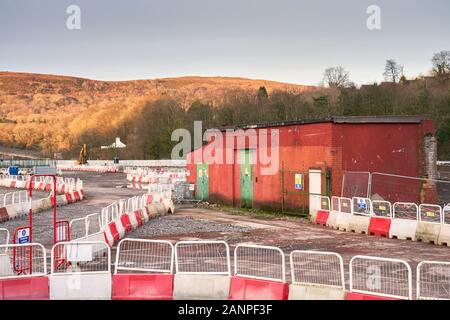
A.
x: 283, y: 40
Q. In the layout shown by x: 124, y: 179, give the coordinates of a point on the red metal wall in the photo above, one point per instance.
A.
x: 389, y: 148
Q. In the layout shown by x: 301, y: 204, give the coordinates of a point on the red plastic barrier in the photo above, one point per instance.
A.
x: 48, y: 187
x: 322, y: 217
x: 363, y: 296
x: 69, y: 197
x: 254, y: 289
x: 41, y: 186
x: 13, y: 184
x: 63, y: 188
x: 142, y: 287
x: 77, y: 196
x: 150, y: 199
x: 33, y: 288
x: 82, y: 193
x: 379, y: 227
x: 125, y: 220
x: 114, y: 232
x: 138, y: 218
x: 133, y: 179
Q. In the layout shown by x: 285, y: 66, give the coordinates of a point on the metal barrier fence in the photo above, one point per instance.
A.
x: 80, y: 257
x: 382, y: 208
x: 22, y: 260
x: 406, y: 210
x: 4, y: 239
x: 202, y: 257
x: 430, y: 213
x: 323, y: 269
x: 335, y: 203
x: 433, y: 280
x: 259, y: 262
x: 139, y: 255
x: 17, y: 197
x: 390, y: 278
x: 361, y: 206
x: 346, y: 205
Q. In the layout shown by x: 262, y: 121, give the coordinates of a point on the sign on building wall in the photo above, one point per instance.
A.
x: 299, y: 181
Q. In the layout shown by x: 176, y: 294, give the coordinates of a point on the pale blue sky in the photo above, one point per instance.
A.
x: 283, y: 40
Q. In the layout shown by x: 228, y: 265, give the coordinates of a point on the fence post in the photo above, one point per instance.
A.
x: 282, y: 186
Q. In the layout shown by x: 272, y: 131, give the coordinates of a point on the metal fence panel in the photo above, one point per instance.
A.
x: 93, y: 224
x: 78, y: 229
x: 335, y: 203
x: 346, y: 205
x: 80, y: 257
x: 382, y: 208
x: 361, y: 206
x: 430, y: 213
x: 202, y: 257
x: 22, y: 260
x: 433, y: 280
x: 381, y: 276
x: 406, y: 210
x: 139, y: 255
x: 259, y: 262
x: 323, y: 269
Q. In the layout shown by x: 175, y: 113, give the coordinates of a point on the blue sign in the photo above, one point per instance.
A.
x: 23, y: 235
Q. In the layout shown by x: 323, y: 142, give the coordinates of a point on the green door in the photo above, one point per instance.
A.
x: 246, y: 179
x: 202, y: 181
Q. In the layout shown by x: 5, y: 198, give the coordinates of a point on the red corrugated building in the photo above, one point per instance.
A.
x: 313, y: 155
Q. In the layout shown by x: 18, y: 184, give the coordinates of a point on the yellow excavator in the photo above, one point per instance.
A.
x: 83, y: 155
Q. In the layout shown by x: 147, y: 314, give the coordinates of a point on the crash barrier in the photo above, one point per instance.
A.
x: 259, y: 274
x: 89, y: 168
x: 203, y: 270
x: 117, y: 219
x: 143, y: 270
x: 316, y: 276
x: 433, y: 280
x: 43, y: 183
x: 379, y: 278
x: 401, y: 220
x: 80, y: 270
x: 23, y: 272
x: 156, y: 176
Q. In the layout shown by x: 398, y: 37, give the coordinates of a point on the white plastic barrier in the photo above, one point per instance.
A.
x: 345, y: 215
x: 334, y: 212
x: 316, y: 276
x: 404, y: 222
x: 429, y: 225
x: 361, y: 212
x: 382, y: 277
x: 444, y: 234
x: 80, y: 270
x: 202, y: 270
x: 433, y: 280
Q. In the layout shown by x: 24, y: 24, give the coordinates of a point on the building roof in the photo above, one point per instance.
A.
x: 353, y: 119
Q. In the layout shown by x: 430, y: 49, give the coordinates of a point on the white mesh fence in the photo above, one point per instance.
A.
x: 139, y: 255
x: 433, y: 280
x: 4, y: 239
x: 325, y: 203
x: 19, y: 260
x: 430, y: 213
x: 259, y: 262
x: 382, y: 208
x: 80, y: 257
x: 323, y: 269
x: 346, y: 205
x: 406, y: 210
x: 78, y: 228
x: 202, y: 257
x: 446, y: 213
x: 93, y: 223
x: 381, y: 276
x: 335, y: 203
x: 361, y: 206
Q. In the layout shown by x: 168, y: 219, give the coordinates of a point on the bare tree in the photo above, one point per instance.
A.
x: 441, y: 63
x: 337, y: 77
x: 392, y: 71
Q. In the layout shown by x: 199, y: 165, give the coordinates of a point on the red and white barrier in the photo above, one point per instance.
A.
x: 203, y: 270
x: 373, y: 278
x: 143, y: 270
x: 23, y: 272
x: 404, y: 222
x: 316, y: 276
x: 429, y: 224
x: 80, y: 270
x: 259, y: 274
x: 96, y: 169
